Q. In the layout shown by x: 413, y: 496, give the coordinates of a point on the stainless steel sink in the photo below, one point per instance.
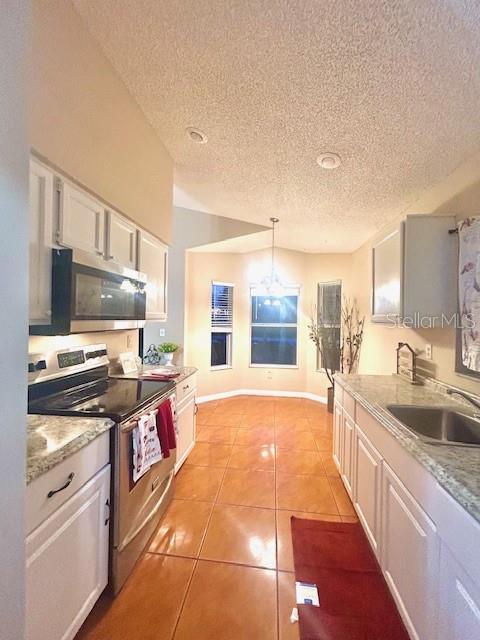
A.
x: 439, y: 425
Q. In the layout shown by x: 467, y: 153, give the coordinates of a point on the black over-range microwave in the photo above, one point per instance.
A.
x: 89, y: 294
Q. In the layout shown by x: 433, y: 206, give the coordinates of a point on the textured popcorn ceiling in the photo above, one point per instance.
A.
x: 392, y: 86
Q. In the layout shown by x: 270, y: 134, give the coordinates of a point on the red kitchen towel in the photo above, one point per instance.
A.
x: 166, y: 428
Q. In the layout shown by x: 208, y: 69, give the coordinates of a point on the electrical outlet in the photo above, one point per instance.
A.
x: 162, y: 333
x: 129, y: 342
x: 428, y: 351
x: 269, y: 375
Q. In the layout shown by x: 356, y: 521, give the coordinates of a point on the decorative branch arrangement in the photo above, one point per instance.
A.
x: 346, y: 353
x: 352, y: 336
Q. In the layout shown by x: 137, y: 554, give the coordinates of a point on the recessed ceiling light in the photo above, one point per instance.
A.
x: 196, y: 135
x: 329, y: 160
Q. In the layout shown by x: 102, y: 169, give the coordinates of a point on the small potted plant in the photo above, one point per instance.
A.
x: 167, y: 349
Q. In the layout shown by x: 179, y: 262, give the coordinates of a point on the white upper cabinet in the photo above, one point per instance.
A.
x: 152, y: 259
x: 40, y: 243
x: 81, y: 223
x: 414, y: 272
x: 121, y: 241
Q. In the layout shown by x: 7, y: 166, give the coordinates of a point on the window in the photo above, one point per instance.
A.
x: 329, y: 319
x: 221, y: 325
x: 274, y: 329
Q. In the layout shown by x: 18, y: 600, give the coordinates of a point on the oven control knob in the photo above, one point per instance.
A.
x: 41, y: 365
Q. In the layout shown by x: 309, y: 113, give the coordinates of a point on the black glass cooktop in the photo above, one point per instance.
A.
x: 109, y: 397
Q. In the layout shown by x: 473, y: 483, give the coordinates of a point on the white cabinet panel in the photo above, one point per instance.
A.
x: 40, y: 243
x: 121, y: 241
x: 81, y: 221
x: 413, y: 272
x: 367, y: 487
x: 152, y: 260
x: 409, y: 557
x: 459, y: 601
x: 348, y: 452
x: 186, y: 429
x: 337, y: 435
x: 67, y: 562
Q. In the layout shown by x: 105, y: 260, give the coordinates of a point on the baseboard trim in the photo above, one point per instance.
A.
x: 261, y: 392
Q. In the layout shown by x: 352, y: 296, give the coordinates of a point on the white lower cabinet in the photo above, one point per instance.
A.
x: 409, y: 556
x: 186, y: 430
x: 67, y: 562
x: 348, y: 452
x: 425, y: 542
x: 186, y: 411
x: 459, y: 615
x: 367, y: 484
x: 337, y: 434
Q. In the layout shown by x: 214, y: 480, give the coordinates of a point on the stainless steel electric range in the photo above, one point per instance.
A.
x: 75, y: 382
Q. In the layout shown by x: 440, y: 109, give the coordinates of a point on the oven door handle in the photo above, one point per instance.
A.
x: 126, y: 541
x: 132, y: 423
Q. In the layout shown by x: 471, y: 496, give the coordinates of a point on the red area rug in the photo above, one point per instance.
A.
x: 355, y: 602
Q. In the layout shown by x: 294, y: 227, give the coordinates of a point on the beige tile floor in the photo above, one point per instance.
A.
x: 220, y: 566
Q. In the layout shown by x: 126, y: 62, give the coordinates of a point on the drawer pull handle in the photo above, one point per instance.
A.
x: 187, y: 386
x: 71, y: 476
x: 107, y: 512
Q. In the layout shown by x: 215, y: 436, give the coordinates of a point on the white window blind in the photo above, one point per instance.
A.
x: 222, y: 306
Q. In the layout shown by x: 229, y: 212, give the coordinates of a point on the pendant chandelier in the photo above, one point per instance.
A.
x: 271, y: 284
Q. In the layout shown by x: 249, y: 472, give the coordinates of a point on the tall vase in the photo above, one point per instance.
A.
x: 330, y: 396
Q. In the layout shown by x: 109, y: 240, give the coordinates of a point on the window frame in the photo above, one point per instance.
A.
x: 295, y: 290
x: 319, y: 364
x: 227, y: 330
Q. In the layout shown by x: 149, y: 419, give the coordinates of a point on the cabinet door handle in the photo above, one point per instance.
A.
x: 187, y: 386
x: 71, y: 476
x: 107, y: 511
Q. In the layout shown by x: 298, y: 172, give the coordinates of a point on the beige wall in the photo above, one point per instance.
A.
x: 458, y: 194
x: 242, y: 270
x: 84, y: 121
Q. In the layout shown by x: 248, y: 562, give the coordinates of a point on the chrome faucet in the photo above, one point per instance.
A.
x: 475, y: 403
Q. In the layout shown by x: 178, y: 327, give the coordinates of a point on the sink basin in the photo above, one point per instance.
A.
x: 439, y: 425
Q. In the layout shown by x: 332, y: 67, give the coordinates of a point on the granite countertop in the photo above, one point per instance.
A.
x: 456, y: 469
x: 51, y: 439
x: 185, y: 372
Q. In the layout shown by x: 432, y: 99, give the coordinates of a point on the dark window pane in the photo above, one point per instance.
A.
x: 219, y: 352
x: 268, y: 310
x: 330, y: 348
x: 274, y: 345
x: 331, y: 307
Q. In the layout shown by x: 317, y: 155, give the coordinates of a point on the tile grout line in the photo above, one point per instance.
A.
x: 215, y: 502
x: 199, y: 549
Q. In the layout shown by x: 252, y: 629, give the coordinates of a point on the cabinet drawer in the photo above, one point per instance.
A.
x: 186, y: 387
x: 84, y: 464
